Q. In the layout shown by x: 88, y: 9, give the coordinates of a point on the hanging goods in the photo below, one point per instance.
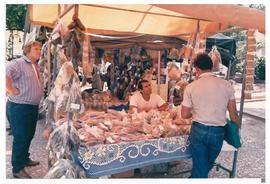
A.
x: 87, y: 62
x: 216, y: 58
x: 174, y: 72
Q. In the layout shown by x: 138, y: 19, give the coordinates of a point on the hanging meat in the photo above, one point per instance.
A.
x: 87, y: 60
x: 186, y: 51
x: 174, y: 71
x: 216, y: 58
x: 59, y: 32
x: 73, y: 48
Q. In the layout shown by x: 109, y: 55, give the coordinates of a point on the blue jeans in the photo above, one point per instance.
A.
x: 23, y: 120
x: 206, y: 144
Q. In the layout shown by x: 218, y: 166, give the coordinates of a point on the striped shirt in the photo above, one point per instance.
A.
x: 25, y: 78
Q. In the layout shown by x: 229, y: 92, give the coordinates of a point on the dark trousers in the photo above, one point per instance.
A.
x: 206, y: 144
x: 23, y: 120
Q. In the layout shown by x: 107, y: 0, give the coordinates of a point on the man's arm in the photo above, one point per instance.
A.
x: 186, y: 112
x: 9, y: 87
x: 163, y: 107
x: 233, y: 112
x: 133, y: 109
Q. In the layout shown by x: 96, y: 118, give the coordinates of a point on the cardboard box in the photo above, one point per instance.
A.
x: 126, y: 174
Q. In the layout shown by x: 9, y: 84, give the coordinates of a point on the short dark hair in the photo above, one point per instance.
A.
x: 140, y: 87
x: 203, y: 62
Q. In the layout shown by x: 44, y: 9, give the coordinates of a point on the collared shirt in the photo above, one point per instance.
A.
x: 26, y: 79
x: 138, y: 101
x: 208, y: 98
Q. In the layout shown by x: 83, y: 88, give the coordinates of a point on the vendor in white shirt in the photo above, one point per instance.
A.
x: 145, y: 100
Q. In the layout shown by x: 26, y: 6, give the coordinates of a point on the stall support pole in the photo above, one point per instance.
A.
x: 66, y: 11
x: 193, y: 45
x: 70, y: 115
x: 242, y: 93
x: 158, y: 89
x: 235, y: 155
x: 26, y: 24
x: 49, y: 90
x: 49, y: 81
x: 229, y: 71
x: 232, y: 172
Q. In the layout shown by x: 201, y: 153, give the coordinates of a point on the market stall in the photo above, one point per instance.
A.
x: 117, y: 153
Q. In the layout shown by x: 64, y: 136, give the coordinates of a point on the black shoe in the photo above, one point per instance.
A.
x: 9, y: 132
x: 8, y: 129
x: 22, y: 174
x: 32, y: 163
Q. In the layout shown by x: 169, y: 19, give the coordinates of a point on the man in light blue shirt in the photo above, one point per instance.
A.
x: 25, y: 92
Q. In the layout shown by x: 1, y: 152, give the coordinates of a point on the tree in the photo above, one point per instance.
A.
x: 260, y: 68
x: 258, y: 6
x: 15, y: 16
x: 240, y: 38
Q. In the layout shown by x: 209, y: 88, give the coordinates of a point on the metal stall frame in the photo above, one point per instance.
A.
x: 233, y: 170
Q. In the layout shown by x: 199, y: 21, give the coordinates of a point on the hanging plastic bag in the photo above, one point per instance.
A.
x: 65, y: 168
x: 61, y: 142
x: 66, y: 90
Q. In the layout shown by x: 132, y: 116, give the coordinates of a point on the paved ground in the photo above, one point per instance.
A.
x: 37, y: 150
x: 251, y: 157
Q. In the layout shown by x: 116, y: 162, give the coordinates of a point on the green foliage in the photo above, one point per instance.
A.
x: 258, y: 6
x: 260, y: 68
x: 9, y: 51
x: 241, y: 43
x: 15, y: 16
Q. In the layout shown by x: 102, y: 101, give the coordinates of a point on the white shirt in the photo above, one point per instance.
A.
x: 208, y: 97
x: 138, y: 101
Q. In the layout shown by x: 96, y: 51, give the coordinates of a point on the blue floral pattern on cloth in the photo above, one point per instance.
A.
x: 108, y: 159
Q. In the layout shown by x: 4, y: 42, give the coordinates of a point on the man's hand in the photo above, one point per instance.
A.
x: 10, y: 88
x: 186, y: 112
x: 233, y: 112
x: 15, y: 91
x: 237, y: 124
x: 164, y: 107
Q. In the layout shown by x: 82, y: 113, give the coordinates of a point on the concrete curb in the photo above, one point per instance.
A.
x: 251, y: 100
x: 254, y: 116
x: 254, y: 96
x: 253, y: 108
